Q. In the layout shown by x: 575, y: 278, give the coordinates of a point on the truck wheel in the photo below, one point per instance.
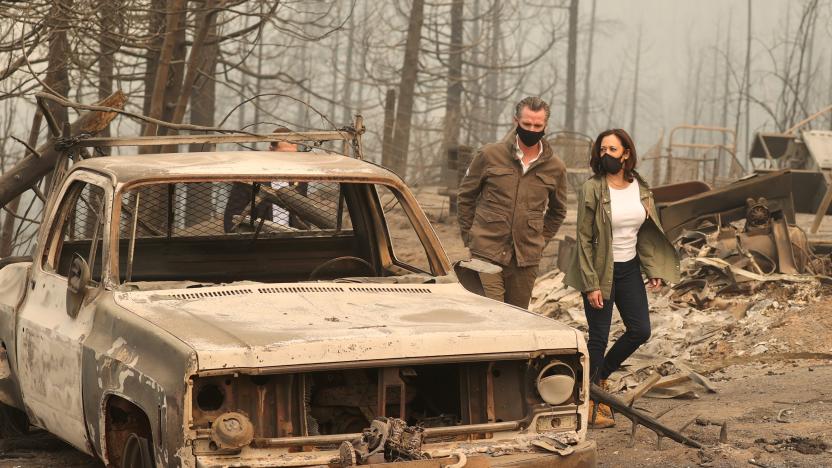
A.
x: 136, y: 453
x: 13, y: 422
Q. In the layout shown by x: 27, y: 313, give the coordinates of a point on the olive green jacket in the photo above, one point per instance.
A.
x: 591, y: 265
x: 504, y: 213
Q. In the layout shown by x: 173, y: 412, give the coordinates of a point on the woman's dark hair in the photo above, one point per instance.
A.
x: 626, y: 143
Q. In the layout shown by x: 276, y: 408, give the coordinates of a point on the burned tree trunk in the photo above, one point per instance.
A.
x: 57, y: 71
x: 108, y: 11
x: 203, y: 106
x: 348, y: 100
x: 747, y: 82
x: 156, y: 31
x: 453, y: 99
x: 29, y: 170
x: 7, y: 236
x: 407, y: 88
x: 634, y: 110
x: 389, y: 127
x: 588, y: 74
x: 475, y: 115
x: 491, y: 81
x: 57, y: 74
x: 572, y: 60
x: 173, y: 24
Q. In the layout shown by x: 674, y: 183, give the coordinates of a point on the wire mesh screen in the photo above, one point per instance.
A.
x: 215, y: 209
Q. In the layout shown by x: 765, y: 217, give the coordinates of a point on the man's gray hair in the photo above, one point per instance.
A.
x: 534, y: 103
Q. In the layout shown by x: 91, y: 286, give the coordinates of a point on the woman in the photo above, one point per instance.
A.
x: 618, y: 237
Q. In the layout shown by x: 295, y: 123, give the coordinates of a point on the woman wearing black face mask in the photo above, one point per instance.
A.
x: 618, y: 237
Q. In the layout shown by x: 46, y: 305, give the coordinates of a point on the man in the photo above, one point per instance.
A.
x: 512, y: 201
x: 241, y: 198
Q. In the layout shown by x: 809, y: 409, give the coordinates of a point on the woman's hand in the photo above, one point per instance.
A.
x: 596, y: 300
x: 654, y: 284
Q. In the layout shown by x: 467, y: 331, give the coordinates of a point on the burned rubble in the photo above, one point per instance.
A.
x: 743, y: 278
x: 740, y: 277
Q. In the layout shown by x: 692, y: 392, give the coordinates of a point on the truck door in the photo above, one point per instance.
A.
x: 50, y: 335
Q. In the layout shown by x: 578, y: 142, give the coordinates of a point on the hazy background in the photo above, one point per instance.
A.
x: 677, y: 36
x: 449, y: 72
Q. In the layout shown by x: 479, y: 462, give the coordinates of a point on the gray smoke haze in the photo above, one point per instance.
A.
x: 684, y: 44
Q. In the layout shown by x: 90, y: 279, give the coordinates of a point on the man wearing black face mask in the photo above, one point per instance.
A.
x: 512, y: 201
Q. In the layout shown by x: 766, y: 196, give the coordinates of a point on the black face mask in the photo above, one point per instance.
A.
x: 528, y: 137
x: 610, y: 164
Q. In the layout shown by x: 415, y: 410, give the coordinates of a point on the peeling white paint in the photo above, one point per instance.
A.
x: 49, y: 355
x: 279, y: 329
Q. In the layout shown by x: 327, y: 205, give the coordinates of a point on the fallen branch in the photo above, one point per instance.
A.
x: 106, y: 107
x: 25, y: 174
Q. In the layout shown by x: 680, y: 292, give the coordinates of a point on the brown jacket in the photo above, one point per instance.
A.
x: 502, y: 211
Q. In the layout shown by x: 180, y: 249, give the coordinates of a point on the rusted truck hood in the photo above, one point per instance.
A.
x: 284, y: 325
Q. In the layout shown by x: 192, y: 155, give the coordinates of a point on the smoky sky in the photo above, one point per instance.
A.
x: 678, y: 35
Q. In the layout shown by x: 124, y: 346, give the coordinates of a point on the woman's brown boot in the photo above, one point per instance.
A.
x: 602, y: 418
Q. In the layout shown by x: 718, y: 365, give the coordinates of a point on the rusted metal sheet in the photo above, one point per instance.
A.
x: 676, y: 192
x: 728, y: 202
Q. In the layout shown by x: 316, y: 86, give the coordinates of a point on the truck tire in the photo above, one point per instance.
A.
x: 136, y: 453
x: 13, y: 422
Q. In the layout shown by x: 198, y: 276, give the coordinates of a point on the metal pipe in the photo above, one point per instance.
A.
x: 132, y: 247
x: 304, y: 440
x: 429, y: 432
x: 293, y: 137
x: 95, y: 233
x: 472, y: 429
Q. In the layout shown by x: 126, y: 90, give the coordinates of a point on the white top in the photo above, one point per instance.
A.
x: 518, y: 153
x: 279, y: 214
x: 628, y: 214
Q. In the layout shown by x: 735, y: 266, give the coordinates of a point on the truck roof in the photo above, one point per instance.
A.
x: 238, y: 165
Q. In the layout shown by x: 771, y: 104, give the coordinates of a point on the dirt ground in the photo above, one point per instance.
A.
x: 774, y: 390
x: 778, y: 415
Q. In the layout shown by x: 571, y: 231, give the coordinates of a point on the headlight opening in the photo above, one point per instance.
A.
x: 555, y: 383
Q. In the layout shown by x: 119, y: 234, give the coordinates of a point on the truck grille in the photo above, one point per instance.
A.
x: 346, y: 401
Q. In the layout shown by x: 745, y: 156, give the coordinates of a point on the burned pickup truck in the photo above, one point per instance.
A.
x: 273, y: 309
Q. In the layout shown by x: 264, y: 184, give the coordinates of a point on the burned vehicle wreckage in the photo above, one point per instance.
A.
x: 156, y: 326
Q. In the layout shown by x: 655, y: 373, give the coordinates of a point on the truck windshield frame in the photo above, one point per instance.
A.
x: 355, y: 222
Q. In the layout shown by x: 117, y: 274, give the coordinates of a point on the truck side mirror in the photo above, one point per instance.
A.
x: 468, y: 272
x: 77, y: 280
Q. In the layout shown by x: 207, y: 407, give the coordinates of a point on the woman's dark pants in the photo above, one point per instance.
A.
x: 630, y: 297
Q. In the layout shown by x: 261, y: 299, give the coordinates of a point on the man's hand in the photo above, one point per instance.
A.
x: 596, y: 299
x: 654, y: 284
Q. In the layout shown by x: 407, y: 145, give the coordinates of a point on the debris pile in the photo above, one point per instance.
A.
x: 740, y: 281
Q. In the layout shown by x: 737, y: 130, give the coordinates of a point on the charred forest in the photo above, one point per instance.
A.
x: 428, y: 77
